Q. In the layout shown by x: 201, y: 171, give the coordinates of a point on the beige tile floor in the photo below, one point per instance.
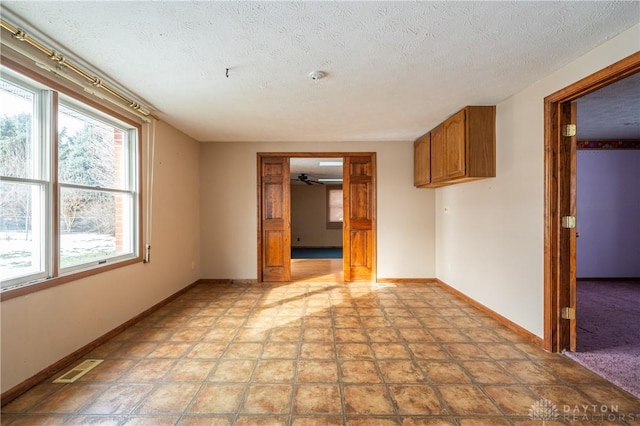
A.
x: 311, y: 353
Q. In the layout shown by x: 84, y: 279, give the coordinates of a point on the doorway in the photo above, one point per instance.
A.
x: 274, y: 215
x: 560, y: 325
x: 316, y: 218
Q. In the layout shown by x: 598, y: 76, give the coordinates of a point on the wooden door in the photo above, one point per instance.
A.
x: 568, y: 196
x: 438, y: 171
x: 359, y: 206
x: 275, y: 222
x: 455, y: 145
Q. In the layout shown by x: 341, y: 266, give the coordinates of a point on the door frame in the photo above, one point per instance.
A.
x: 289, y: 155
x: 559, y: 196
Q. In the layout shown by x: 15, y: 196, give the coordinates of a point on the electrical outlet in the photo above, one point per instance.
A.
x: 193, y: 264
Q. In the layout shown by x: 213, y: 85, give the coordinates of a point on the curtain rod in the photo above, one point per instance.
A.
x: 21, y: 35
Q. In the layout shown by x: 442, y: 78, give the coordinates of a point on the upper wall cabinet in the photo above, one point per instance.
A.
x: 461, y: 149
x: 422, y: 160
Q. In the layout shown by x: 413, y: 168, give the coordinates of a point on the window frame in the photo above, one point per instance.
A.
x: 41, y: 175
x: 333, y: 224
x: 59, y: 93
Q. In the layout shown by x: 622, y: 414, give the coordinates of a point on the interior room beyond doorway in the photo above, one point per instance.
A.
x: 316, y: 218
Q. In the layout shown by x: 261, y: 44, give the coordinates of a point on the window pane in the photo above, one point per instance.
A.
x: 21, y: 229
x: 91, y: 152
x: 335, y: 205
x: 94, y: 226
x: 18, y: 153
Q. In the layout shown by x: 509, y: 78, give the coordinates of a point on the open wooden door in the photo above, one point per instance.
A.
x: 560, y: 235
x: 359, y: 210
x: 274, y: 245
x: 568, y: 194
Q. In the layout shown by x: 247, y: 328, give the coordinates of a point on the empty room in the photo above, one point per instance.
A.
x: 164, y: 164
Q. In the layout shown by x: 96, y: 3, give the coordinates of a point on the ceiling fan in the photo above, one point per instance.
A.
x: 305, y: 179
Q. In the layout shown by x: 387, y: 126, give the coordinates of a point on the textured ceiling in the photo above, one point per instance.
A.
x: 612, y: 112
x: 394, y: 69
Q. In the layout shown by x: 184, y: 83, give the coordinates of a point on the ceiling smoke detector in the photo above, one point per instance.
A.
x: 317, y: 75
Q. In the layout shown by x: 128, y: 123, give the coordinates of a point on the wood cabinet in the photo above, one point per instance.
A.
x: 422, y: 160
x: 461, y: 149
x: 438, y: 151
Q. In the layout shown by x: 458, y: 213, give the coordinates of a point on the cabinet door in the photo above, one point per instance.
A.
x: 422, y: 160
x: 455, y: 151
x: 438, y: 154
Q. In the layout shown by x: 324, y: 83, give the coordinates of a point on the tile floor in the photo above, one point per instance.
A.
x: 324, y: 354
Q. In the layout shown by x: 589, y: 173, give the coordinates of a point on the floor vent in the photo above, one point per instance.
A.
x: 80, y: 370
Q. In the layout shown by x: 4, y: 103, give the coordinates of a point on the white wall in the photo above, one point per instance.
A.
x: 41, y: 328
x: 489, y: 234
x: 229, y: 211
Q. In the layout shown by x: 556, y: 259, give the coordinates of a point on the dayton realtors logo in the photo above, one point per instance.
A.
x: 546, y: 410
x: 596, y: 412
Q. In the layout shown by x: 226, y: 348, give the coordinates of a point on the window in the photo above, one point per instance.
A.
x: 334, y: 207
x: 68, y: 204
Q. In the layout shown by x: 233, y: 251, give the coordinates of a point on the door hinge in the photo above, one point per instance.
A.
x: 569, y: 130
x: 568, y: 222
x: 568, y: 313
